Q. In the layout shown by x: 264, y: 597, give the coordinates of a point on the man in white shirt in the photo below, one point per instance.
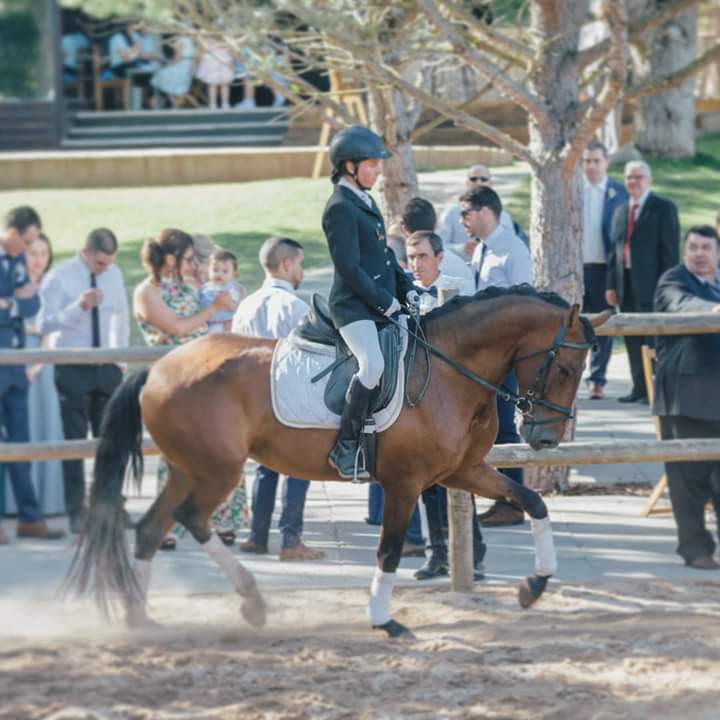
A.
x: 425, y: 255
x: 419, y: 215
x: 451, y: 228
x: 500, y: 259
x: 274, y: 311
x: 601, y: 197
x: 84, y: 305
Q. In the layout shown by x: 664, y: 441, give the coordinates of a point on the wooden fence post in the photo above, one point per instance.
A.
x: 460, y: 518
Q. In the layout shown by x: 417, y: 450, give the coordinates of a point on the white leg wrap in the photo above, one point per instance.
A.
x: 241, y: 578
x: 380, y: 596
x: 545, y: 557
x: 142, y: 575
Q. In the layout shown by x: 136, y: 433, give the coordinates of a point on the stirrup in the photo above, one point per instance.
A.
x: 360, y: 467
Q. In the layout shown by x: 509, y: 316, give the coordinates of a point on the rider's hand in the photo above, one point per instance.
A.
x: 395, y: 307
x: 412, y: 298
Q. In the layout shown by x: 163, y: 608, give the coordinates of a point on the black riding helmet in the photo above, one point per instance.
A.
x: 356, y: 143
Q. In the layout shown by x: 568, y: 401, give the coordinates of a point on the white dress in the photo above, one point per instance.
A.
x: 176, y: 78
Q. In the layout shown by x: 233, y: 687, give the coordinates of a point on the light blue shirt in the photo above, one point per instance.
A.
x: 454, y: 235
x: 273, y: 311
x: 501, y: 260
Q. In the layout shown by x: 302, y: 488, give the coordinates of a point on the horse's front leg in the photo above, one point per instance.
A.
x: 481, y: 479
x: 399, y: 505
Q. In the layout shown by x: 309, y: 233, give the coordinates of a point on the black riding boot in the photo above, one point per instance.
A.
x: 343, y: 455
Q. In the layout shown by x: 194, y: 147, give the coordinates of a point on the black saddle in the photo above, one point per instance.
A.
x: 318, y: 327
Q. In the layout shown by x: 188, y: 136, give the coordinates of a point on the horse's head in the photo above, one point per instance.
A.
x: 549, y: 373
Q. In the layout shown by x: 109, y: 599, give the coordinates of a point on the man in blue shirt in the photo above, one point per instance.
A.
x: 18, y: 300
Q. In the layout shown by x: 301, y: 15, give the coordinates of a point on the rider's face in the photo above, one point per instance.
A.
x: 368, y: 171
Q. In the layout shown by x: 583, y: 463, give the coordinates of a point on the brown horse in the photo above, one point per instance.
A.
x: 207, y: 405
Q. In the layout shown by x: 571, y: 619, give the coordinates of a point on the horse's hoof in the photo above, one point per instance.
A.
x: 394, y: 629
x: 530, y: 590
x: 253, y: 609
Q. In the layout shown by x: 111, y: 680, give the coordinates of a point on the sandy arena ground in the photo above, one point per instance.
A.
x: 645, y: 649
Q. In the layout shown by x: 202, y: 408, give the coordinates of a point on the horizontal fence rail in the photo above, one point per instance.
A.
x: 504, y: 456
x: 621, y: 324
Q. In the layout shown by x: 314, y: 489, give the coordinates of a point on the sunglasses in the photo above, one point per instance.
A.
x: 478, y: 178
x: 466, y: 213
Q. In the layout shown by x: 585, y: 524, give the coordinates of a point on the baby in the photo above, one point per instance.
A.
x: 222, y: 274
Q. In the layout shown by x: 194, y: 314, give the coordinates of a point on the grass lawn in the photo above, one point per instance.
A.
x: 694, y: 185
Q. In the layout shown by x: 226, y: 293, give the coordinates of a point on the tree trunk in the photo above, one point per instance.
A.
x: 666, y: 121
x: 556, y: 200
x: 394, y: 120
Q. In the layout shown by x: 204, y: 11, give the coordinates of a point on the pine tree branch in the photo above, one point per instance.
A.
x: 489, y: 70
x: 675, y: 79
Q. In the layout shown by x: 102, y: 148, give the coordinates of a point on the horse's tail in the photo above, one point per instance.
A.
x: 102, y: 563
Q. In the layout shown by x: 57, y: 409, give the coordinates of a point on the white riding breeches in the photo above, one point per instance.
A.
x: 362, y: 338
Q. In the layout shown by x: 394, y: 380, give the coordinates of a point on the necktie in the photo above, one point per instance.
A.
x: 480, y: 263
x: 630, y: 227
x: 432, y: 291
x: 95, y: 316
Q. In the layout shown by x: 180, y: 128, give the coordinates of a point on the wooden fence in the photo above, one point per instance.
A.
x: 501, y: 456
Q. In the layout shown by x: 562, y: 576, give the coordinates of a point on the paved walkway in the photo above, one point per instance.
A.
x: 598, y: 537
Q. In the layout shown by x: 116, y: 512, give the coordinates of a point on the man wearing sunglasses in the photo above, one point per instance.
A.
x: 451, y: 229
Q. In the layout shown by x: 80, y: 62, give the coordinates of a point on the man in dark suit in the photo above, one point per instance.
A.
x: 601, y: 198
x: 687, y: 391
x: 645, y: 241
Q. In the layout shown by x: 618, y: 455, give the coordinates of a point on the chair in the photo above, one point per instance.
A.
x: 648, y: 356
x: 114, y: 84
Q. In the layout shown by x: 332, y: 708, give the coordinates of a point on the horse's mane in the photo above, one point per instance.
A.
x: 524, y: 290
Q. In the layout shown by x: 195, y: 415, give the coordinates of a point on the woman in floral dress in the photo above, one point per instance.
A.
x: 169, y: 312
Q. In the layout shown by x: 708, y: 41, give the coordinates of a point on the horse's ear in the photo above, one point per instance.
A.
x: 574, y: 316
x: 601, y: 318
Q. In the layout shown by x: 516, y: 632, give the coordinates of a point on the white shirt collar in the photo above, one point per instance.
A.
x: 494, y: 235
x: 641, y: 201
x: 360, y: 193
x: 271, y: 282
x: 601, y: 186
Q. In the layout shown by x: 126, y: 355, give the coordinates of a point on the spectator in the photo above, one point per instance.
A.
x: 645, y: 237
x: 124, y: 51
x: 242, y: 72
x: 274, y: 311
x: 397, y: 244
x: 452, y: 230
x: 687, y: 391
x: 217, y: 70
x: 175, y: 78
x: 425, y: 250
x: 169, y: 312
x: 223, y: 277
x: 500, y: 259
x: 601, y: 197
x: 18, y: 300
x: 73, y: 44
x: 84, y: 305
x: 419, y: 215
x: 43, y: 402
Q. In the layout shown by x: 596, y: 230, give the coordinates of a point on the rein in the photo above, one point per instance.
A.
x: 526, y: 402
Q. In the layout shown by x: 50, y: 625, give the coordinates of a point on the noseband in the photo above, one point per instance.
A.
x: 529, y: 400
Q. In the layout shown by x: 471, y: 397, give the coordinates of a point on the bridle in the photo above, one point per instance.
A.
x: 525, y: 403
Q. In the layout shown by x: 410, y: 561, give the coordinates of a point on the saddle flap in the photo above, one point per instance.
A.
x: 317, y: 326
x: 339, y: 380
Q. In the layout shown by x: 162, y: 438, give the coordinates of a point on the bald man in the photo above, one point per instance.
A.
x: 451, y: 229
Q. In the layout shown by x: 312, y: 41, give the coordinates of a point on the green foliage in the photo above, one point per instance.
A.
x: 19, y: 52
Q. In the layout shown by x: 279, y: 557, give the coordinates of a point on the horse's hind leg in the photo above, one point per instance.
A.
x: 150, y: 531
x: 483, y: 480
x: 194, y: 513
x: 399, y: 504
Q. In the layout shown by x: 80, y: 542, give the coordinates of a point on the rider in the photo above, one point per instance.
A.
x: 368, y: 284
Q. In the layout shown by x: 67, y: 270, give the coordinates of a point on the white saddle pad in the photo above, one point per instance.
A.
x: 299, y: 403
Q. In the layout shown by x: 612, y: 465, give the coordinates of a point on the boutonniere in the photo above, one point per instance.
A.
x: 611, y: 193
